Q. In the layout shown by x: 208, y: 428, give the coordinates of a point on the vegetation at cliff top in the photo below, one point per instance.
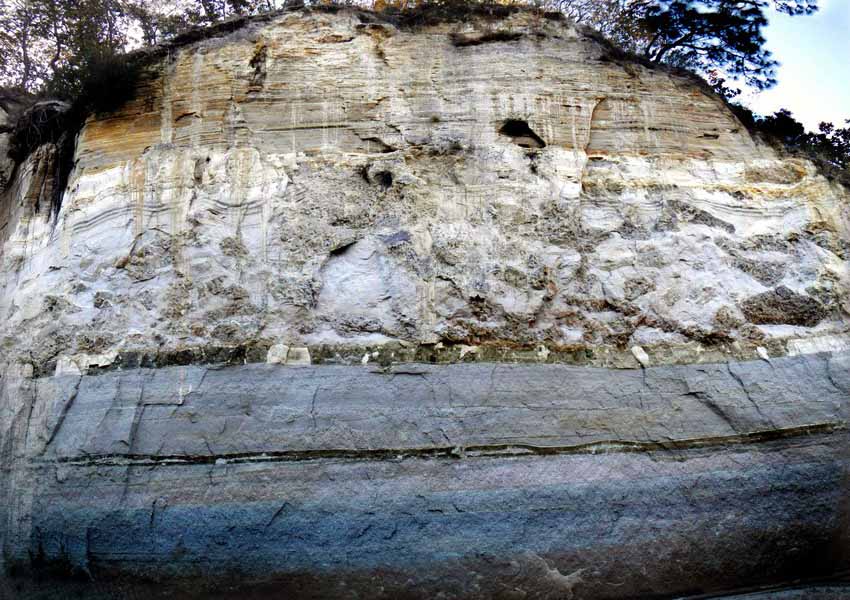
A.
x: 47, y: 44
x: 75, y: 50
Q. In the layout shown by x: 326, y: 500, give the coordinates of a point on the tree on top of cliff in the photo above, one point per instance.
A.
x: 830, y: 144
x: 44, y: 38
x: 207, y: 12
x: 48, y: 45
x: 721, y: 39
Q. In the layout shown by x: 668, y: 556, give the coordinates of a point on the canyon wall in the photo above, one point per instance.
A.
x: 338, y: 308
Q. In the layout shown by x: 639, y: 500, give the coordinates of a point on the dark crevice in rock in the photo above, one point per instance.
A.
x: 521, y: 134
x: 58, y: 568
x: 533, y: 156
x: 342, y: 249
x: 43, y: 122
x: 51, y: 124
x: 198, y: 170
x: 461, y: 40
x: 457, y: 452
x: 384, y: 179
x: 258, y: 64
x: 363, y: 171
x: 66, y: 407
x: 381, y: 146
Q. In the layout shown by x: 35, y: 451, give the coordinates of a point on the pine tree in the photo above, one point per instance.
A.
x: 721, y: 39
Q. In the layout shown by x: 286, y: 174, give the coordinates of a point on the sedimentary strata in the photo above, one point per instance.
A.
x: 337, y: 307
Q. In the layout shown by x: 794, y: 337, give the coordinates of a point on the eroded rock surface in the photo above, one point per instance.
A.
x: 343, y: 309
x: 328, y: 179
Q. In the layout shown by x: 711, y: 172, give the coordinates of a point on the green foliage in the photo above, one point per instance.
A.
x: 207, y: 12
x: 829, y: 146
x: 710, y: 34
x: 43, y: 37
x: 721, y: 39
x: 43, y: 122
x: 75, y: 49
x: 433, y: 12
x: 99, y: 82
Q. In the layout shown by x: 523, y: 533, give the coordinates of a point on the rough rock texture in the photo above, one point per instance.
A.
x: 472, y: 480
x: 12, y: 104
x: 538, y: 323
x: 323, y: 179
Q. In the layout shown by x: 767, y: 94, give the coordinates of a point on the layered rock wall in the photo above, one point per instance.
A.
x: 534, y: 320
x: 325, y: 180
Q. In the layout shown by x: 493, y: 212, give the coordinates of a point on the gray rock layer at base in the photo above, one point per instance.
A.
x: 466, y: 481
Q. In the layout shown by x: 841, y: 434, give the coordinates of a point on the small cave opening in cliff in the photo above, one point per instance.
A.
x: 384, y: 179
x: 521, y: 134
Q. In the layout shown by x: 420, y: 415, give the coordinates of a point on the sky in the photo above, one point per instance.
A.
x: 814, y: 72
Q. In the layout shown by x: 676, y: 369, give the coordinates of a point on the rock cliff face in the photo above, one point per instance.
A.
x: 341, y: 309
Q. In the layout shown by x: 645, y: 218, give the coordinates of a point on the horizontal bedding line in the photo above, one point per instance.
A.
x: 451, y: 452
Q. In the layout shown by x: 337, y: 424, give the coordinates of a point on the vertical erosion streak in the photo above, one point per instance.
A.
x: 601, y: 103
x: 587, y: 146
x: 197, y: 110
x: 166, y: 126
x: 137, y: 193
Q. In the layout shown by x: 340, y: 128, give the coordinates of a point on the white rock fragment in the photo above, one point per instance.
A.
x: 815, y: 345
x: 79, y: 364
x: 298, y: 357
x: 100, y: 360
x: 65, y: 365
x: 543, y: 353
x: 641, y: 356
x: 365, y: 359
x: 277, y: 354
x: 464, y: 350
x: 762, y: 352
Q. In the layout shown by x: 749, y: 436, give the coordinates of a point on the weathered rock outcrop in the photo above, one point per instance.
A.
x: 335, y: 308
